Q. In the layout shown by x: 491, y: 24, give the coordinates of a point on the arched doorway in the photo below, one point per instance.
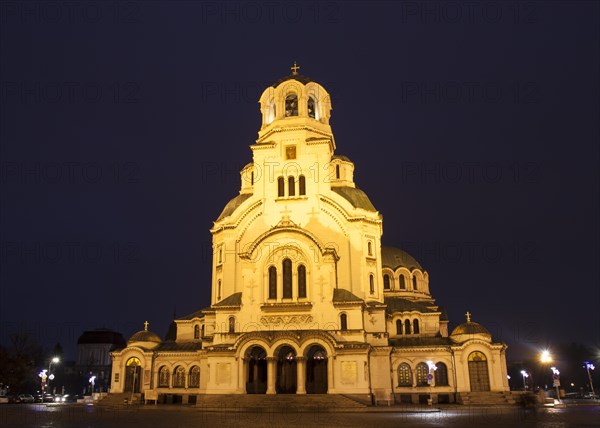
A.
x: 256, y: 381
x: 478, y: 372
x: 286, y: 371
x: 316, y: 370
x: 133, y: 374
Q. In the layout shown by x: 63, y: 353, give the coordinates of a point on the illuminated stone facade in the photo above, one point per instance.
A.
x: 304, y: 297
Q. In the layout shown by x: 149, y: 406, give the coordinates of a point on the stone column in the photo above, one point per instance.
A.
x: 300, y: 378
x: 330, y: 378
x: 242, y: 375
x: 271, y: 372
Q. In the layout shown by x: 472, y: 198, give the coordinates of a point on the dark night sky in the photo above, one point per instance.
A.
x: 473, y: 128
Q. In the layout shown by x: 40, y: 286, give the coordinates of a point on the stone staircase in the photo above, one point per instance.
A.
x: 278, y: 403
x: 120, y: 399
x: 486, y: 398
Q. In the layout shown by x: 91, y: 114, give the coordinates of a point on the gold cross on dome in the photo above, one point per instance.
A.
x: 468, y: 315
x: 295, y: 69
x: 146, y: 325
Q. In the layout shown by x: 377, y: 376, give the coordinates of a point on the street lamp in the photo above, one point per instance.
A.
x: 545, y: 358
x: 54, y: 360
x: 432, y: 369
x: 525, y: 376
x: 589, y: 366
x: 556, y: 377
x: 93, y: 382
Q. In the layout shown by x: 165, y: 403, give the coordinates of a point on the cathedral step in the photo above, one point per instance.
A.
x: 485, y: 398
x: 116, y: 399
x: 281, y: 402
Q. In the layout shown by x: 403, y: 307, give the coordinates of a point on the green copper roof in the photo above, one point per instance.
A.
x: 197, y: 314
x: 395, y: 257
x: 470, y: 328
x: 398, y: 304
x: 341, y: 157
x: 356, y: 197
x: 234, y: 300
x: 233, y: 204
x: 340, y: 295
x: 300, y: 78
x: 421, y: 341
x: 179, y: 346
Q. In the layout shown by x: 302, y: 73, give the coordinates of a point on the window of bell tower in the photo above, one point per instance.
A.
x: 311, y: 107
x: 291, y: 105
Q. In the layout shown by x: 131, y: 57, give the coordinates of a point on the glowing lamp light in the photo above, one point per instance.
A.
x: 554, y: 371
x: 524, y: 373
x: 546, y: 357
x: 589, y: 366
x: 431, y: 366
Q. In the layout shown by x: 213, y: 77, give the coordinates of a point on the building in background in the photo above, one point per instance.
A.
x: 93, y: 356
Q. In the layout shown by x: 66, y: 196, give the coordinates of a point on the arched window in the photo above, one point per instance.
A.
x: 202, y: 331
x: 406, y: 326
x: 220, y: 255
x: 179, y: 377
x: 422, y: 371
x: 164, y: 377
x: 219, y: 290
x: 302, y: 185
x: 311, y: 107
x: 287, y: 279
x: 416, y: 326
x: 344, y: 322
x: 404, y: 375
x: 231, y: 325
x: 301, y: 281
x: 272, y: 282
x: 291, y: 186
x: 370, y: 248
x: 398, y: 327
x: 194, y: 380
x: 196, y: 332
x: 252, y: 178
x: 414, y: 282
x: 386, y: 282
x: 402, y: 282
x: 441, y: 375
x: 337, y: 172
x: 371, y: 284
x: 291, y: 105
x: 280, y: 187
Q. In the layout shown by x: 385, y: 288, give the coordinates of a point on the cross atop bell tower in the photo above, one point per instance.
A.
x: 295, y: 69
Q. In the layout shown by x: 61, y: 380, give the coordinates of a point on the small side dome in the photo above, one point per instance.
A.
x: 341, y: 157
x: 394, y: 258
x: 145, y: 337
x: 470, y: 330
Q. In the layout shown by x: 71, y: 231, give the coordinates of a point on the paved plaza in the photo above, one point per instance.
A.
x: 76, y: 416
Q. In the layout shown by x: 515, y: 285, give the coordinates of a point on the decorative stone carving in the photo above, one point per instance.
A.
x: 285, y: 319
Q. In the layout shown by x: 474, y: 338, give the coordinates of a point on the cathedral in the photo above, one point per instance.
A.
x: 305, y: 299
